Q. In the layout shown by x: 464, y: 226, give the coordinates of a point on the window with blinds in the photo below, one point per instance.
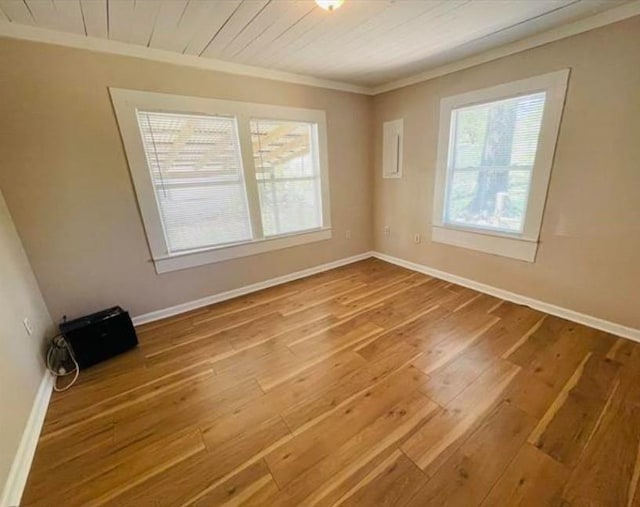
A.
x: 218, y: 179
x: 288, y: 177
x: 491, y: 158
x: 495, y: 155
x: 196, y: 171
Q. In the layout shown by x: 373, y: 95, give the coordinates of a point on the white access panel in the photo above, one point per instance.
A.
x: 392, y: 142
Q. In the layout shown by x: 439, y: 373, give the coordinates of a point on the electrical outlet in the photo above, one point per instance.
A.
x: 28, y: 326
x: 416, y: 238
x: 387, y: 230
x: 347, y: 234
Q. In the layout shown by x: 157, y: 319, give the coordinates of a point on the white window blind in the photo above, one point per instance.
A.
x: 196, y: 172
x: 492, y: 151
x: 288, y: 175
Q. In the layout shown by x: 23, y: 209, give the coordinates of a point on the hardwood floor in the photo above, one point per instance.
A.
x: 365, y: 385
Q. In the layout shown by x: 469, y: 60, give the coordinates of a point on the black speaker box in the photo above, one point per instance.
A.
x: 100, y: 336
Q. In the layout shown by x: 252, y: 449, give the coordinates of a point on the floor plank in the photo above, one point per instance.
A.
x: 531, y: 479
x: 441, y: 436
x: 608, y: 470
x: 468, y: 475
x: 566, y: 428
x: 393, y: 482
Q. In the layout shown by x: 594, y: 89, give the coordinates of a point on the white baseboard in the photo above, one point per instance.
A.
x: 241, y: 291
x: 13, y: 488
x: 558, y: 311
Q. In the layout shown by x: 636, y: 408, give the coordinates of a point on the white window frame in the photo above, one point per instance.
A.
x: 127, y: 102
x: 524, y: 245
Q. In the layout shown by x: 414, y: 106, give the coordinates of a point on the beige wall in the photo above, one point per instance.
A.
x: 21, y: 363
x: 67, y: 183
x: 588, y: 259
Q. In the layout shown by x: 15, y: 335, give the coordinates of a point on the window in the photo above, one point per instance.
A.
x: 196, y: 173
x: 493, y: 147
x: 218, y: 179
x: 495, y: 153
x: 287, y: 172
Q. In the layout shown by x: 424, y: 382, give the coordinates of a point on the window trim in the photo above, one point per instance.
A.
x: 522, y: 246
x: 127, y: 102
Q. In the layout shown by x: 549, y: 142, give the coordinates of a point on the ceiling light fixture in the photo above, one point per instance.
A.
x: 329, y: 5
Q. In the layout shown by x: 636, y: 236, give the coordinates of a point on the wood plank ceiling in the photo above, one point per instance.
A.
x: 365, y: 42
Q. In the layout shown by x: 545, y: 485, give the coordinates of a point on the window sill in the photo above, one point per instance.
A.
x: 213, y: 255
x: 520, y: 248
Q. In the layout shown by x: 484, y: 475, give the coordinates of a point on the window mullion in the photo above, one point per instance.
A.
x: 249, y: 169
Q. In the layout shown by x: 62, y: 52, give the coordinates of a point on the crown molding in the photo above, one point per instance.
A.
x: 36, y: 34
x: 583, y: 25
x: 31, y: 33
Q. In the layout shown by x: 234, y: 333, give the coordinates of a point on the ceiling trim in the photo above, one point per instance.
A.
x: 32, y: 33
x: 36, y: 34
x: 596, y: 21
